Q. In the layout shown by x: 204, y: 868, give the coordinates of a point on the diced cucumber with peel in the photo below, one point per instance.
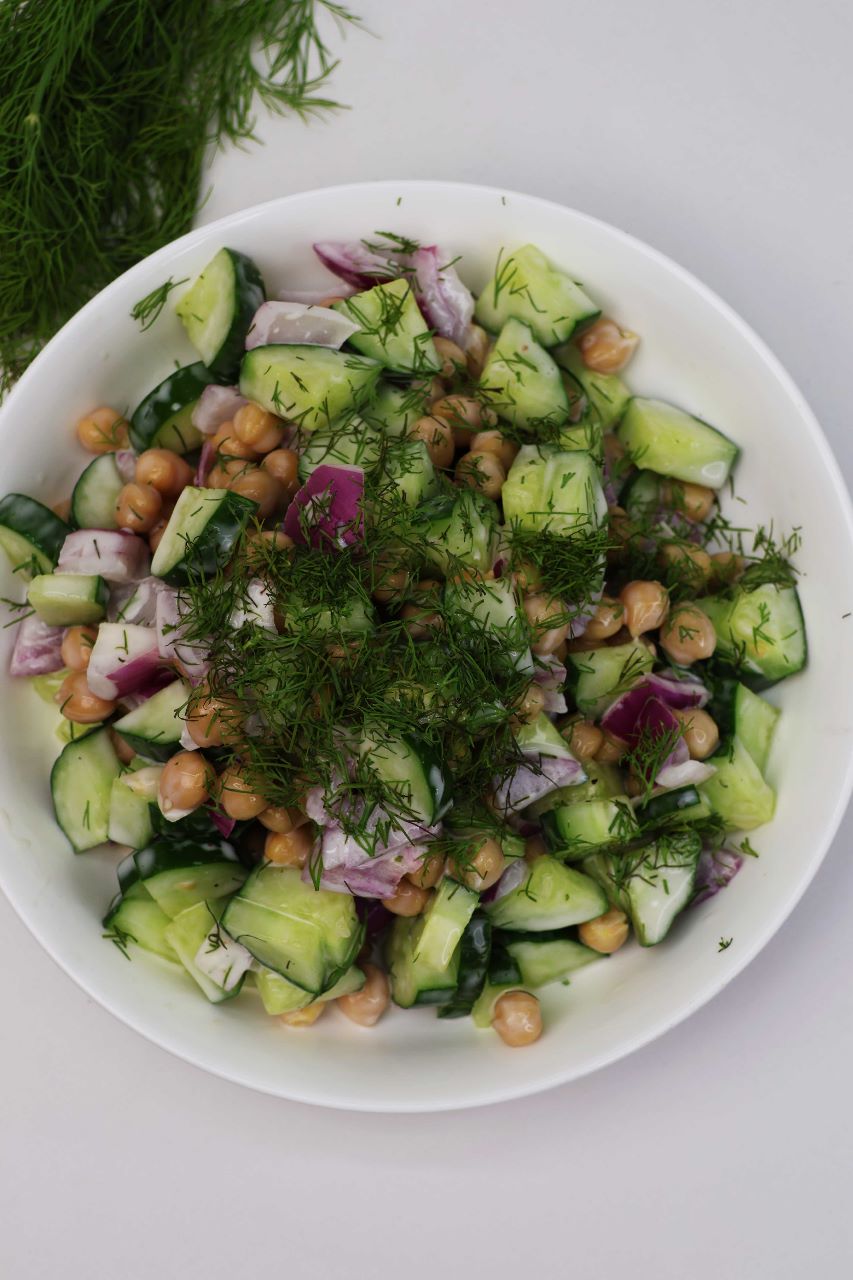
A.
x: 137, y: 918
x: 659, y: 884
x: 540, y: 736
x: 196, y: 933
x: 737, y: 792
x: 408, y: 769
x: 30, y: 534
x: 391, y: 328
x: 413, y: 980
x: 755, y: 724
x: 760, y: 631
x: 458, y: 529
x: 130, y: 815
x: 163, y: 420
x: 68, y: 599
x: 312, y: 386
x: 522, y: 382
x: 154, y: 728
x: 218, y: 307
x: 490, y: 607
x: 599, y: 676
x: 659, y: 437
x: 201, y: 534
x: 280, y: 996
x: 548, y: 957
x: 443, y: 923
x: 555, y: 490
x: 528, y: 288
x: 606, y: 394
x: 551, y: 896
x: 93, y: 500
x: 408, y: 465
x: 573, y: 830
x: 352, y: 443
x: 180, y: 871
x: 81, y: 783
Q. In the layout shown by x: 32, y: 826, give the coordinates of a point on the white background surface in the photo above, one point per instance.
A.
x: 720, y: 133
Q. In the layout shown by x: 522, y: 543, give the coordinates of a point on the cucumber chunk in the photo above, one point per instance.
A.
x: 760, y: 631
x: 30, y: 534
x: 154, y: 727
x: 130, y: 815
x: 685, y: 801
x: 541, y: 736
x: 163, y: 419
x: 391, y: 328
x: 474, y: 951
x: 353, y: 443
x: 409, y: 466
x: 573, y: 830
x: 280, y: 996
x: 407, y: 767
x: 491, y: 608
x: 198, y: 927
x: 81, y: 783
x: 137, y: 918
x: 548, y: 957
x: 526, y: 287
x: 93, y: 500
x: 522, y: 382
x: 600, y: 676
x: 458, y: 529
x: 443, y: 923
x: 414, y: 981
x: 201, y: 533
x: 551, y: 896
x: 217, y: 310
x: 662, y: 438
x: 180, y: 872
x: 68, y: 599
x: 658, y: 885
x: 555, y: 490
x: 606, y: 394
x: 313, y: 386
x: 737, y: 792
x: 755, y: 721
x: 310, y: 936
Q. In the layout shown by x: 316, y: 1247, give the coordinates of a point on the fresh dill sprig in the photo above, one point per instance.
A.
x: 148, y: 309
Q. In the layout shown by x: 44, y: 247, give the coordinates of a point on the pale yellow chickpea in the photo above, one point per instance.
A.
x: 695, y: 501
x: 164, y: 470
x: 260, y: 487
x: 185, y: 782
x: 437, y: 434
x: 688, y: 635
x: 430, y: 872
x: 534, y: 847
x: 452, y: 357
x: 540, y: 609
x: 605, y: 348
x: 484, y: 869
x: 366, y: 1007
x: 304, y: 1017
x: 584, y: 739
x: 477, y: 347
x: 220, y: 476
x: 138, y: 507
x: 238, y: 797
x: 282, y: 820
x: 493, y: 441
x: 727, y: 567
x: 530, y: 704
x: 699, y: 732
x: 257, y: 428
x: 612, y: 749
x: 408, y: 900
x: 517, y: 1018
x: 226, y: 444
x: 123, y: 750
x: 76, y: 647
x: 77, y: 702
x: 605, y: 933
x: 609, y: 617
x: 104, y: 430
x: 210, y: 722
x: 646, y: 606
x: 481, y: 470
x: 290, y: 848
x: 689, y: 564
x: 420, y: 620
x: 391, y: 585
x: 464, y: 413
x: 283, y: 464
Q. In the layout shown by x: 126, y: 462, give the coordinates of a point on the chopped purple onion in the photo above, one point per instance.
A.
x: 352, y: 261
x: 327, y: 510
x: 125, y: 464
x: 126, y: 659
x: 118, y: 556
x: 716, y: 869
x: 299, y: 324
x: 38, y: 648
x: 216, y: 406
x: 530, y: 782
x: 206, y: 459
x: 447, y: 304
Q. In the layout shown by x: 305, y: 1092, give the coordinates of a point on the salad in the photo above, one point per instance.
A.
x: 402, y: 652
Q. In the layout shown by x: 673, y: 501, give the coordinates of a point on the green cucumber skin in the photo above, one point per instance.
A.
x: 214, y: 546
x: 250, y: 294
x: 149, y: 425
x: 96, y: 493
x: 33, y: 523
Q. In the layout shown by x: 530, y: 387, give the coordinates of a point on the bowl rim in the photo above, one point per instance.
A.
x: 547, y: 1079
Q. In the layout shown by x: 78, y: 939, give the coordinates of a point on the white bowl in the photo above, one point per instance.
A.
x: 695, y: 352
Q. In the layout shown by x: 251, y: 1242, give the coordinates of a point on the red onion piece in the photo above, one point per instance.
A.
x: 206, y: 459
x: 299, y: 324
x: 193, y: 658
x: 126, y: 464
x: 550, y: 675
x: 716, y: 869
x: 621, y: 717
x: 135, y: 602
x: 679, y: 692
x: 515, y: 874
x: 447, y: 304
x: 327, y: 510
x: 215, y: 406
x: 38, y: 648
x: 528, y: 783
x: 116, y: 556
x: 224, y: 825
x: 351, y: 260
x: 125, y: 659
x: 684, y: 773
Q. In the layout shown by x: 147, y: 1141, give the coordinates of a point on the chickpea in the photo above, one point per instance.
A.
x: 257, y: 428
x: 727, y: 567
x: 452, y: 357
x: 608, y: 618
x: 689, y: 565
x: 155, y: 534
x: 79, y: 704
x: 465, y: 415
x: 260, y: 487
x: 164, y: 470
x: 77, y: 647
x: 62, y: 509
x: 646, y: 606
x: 437, y: 435
x: 622, y: 528
x: 584, y: 738
x: 699, y: 732
x: 540, y: 609
x: 430, y: 872
x: 420, y: 620
x: 281, y: 820
x: 534, y: 847
x: 210, y: 722
x: 605, y: 348
x: 493, y: 441
x: 695, y: 501
x: 605, y: 933
x: 481, y: 470
x: 366, y: 1007
x: 517, y: 1018
x: 688, y: 635
x: 227, y: 444
x: 612, y: 749
x: 223, y: 473
x: 138, y: 507
x: 408, y: 900
x: 485, y: 868
x: 284, y: 465
x: 185, y: 782
x: 304, y: 1017
x: 477, y: 347
x: 391, y: 585
x: 102, y: 431
x: 290, y: 848
x: 123, y: 750
x: 238, y: 797
x: 530, y: 704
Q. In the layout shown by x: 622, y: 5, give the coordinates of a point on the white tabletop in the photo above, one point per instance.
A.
x: 716, y: 132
